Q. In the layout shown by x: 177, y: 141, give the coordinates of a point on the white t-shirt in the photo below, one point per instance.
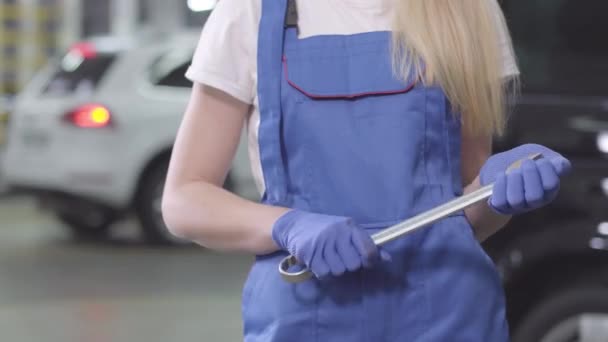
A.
x: 226, y: 56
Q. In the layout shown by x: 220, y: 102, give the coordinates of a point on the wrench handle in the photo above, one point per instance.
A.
x: 399, y: 230
x: 408, y: 226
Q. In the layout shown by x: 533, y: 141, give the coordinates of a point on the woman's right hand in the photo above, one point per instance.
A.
x: 327, y: 245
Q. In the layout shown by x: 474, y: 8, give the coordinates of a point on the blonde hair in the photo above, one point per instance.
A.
x: 455, y: 44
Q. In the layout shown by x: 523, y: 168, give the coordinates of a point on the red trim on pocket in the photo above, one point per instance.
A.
x: 343, y: 96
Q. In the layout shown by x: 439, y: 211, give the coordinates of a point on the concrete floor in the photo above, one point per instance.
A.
x: 53, y: 289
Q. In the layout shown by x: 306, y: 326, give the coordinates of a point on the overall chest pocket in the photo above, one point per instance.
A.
x: 354, y: 134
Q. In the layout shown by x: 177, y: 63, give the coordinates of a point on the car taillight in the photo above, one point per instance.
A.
x: 90, y: 116
x: 84, y: 49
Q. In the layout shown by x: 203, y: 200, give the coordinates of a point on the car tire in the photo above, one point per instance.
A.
x: 148, y: 207
x: 557, y: 318
x: 90, y: 227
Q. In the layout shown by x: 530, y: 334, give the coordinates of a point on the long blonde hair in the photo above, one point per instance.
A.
x: 455, y: 44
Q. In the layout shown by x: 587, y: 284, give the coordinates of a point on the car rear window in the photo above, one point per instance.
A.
x: 78, y: 73
x: 169, y: 69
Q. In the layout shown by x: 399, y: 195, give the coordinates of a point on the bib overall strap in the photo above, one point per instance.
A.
x: 291, y: 18
x: 274, y: 20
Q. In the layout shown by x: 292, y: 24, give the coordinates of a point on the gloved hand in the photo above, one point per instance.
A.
x: 327, y: 245
x: 533, y: 185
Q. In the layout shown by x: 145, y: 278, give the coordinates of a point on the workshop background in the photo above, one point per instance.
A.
x: 91, y: 94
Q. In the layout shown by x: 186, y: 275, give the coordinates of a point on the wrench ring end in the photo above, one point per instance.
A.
x: 293, y: 277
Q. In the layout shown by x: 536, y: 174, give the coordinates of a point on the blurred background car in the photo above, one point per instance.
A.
x: 91, y: 135
x: 553, y: 261
x: 91, y: 94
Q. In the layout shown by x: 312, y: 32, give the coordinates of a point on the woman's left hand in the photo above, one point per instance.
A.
x: 535, y: 184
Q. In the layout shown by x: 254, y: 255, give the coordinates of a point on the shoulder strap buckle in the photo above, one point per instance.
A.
x: 291, y: 17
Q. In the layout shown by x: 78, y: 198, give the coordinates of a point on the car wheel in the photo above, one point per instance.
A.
x: 578, y: 314
x: 148, y: 206
x: 90, y: 225
x: 149, y: 209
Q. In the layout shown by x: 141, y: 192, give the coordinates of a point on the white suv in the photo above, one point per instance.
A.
x: 91, y: 135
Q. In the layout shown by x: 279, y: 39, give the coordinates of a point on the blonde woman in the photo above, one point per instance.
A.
x: 360, y: 113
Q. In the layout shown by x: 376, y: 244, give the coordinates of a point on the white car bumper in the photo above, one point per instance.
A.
x: 76, y: 162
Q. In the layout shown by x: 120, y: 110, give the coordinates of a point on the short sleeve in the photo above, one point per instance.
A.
x: 509, y: 61
x: 225, y: 57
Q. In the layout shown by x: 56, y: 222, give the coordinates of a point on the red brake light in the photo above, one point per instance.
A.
x: 86, y: 50
x: 90, y: 116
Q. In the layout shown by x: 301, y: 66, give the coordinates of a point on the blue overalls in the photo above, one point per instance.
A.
x: 340, y: 135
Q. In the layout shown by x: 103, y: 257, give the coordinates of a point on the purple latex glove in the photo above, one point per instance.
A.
x: 327, y: 245
x: 534, y: 185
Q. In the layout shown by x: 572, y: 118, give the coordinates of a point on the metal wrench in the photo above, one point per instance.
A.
x: 408, y: 226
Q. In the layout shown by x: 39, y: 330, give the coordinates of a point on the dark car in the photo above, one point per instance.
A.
x: 554, y: 262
